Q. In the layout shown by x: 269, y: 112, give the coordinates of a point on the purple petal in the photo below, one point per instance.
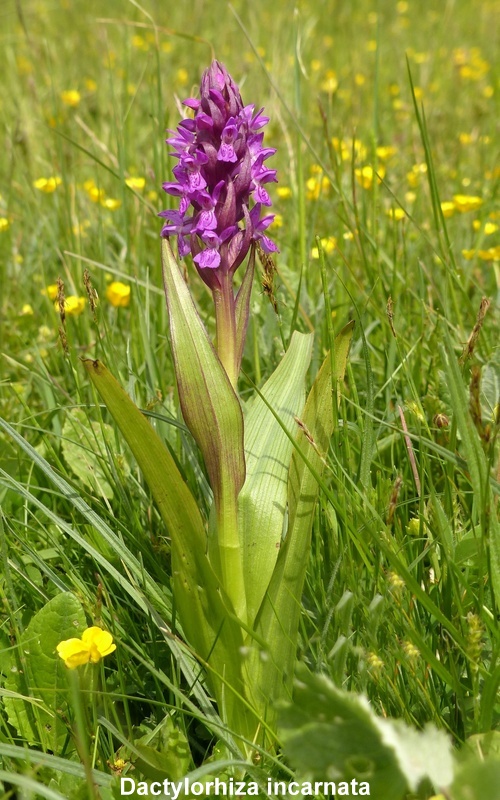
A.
x: 208, y: 259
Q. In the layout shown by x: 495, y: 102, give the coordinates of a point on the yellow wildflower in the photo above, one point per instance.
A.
x: 448, y: 208
x: 50, y: 291
x: 384, y: 153
x: 414, y: 175
x: 277, y: 221
x: 90, y: 85
x: 73, y: 305
x: 182, y: 76
x: 396, y: 214
x: 466, y: 202
x: 330, y: 83
x: 284, y: 192
x: 490, y: 228
x: 47, y: 185
x: 118, y: 294
x: 71, y: 98
x: 4, y: 223
x: 94, y: 645
x: 328, y: 243
x: 27, y: 310
x: 492, y: 254
x: 136, y: 183
x: 111, y: 203
x: 468, y: 254
x: 366, y: 176
x: 140, y: 43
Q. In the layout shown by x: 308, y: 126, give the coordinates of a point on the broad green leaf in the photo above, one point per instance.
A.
x: 279, y: 616
x: 205, y: 612
x: 175, y: 502
x: 84, y: 447
x: 268, y: 450
x: 331, y: 734
x: 477, y: 780
x: 213, y: 414
x: 40, y: 673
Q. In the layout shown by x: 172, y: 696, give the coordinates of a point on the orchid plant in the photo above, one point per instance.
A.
x: 238, y: 575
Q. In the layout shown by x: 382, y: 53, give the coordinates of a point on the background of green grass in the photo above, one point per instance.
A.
x: 398, y: 602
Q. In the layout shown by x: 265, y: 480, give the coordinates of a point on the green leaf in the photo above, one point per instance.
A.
x: 163, y: 753
x: 205, y: 612
x: 84, y: 447
x: 213, y: 414
x: 41, y: 674
x: 477, y: 780
x: 278, y: 619
x: 331, y: 734
x: 268, y: 450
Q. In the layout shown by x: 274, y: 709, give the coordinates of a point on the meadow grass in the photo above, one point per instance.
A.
x: 384, y: 116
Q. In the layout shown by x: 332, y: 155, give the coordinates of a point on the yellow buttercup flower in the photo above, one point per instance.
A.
x: 4, y: 223
x: 50, y: 291
x: 448, y: 208
x: 111, y: 203
x: 396, y: 214
x: 328, y: 243
x: 71, y: 98
x: 384, y: 153
x: 365, y: 176
x: 466, y: 202
x: 94, y: 645
x: 47, y: 185
x: 73, y: 305
x: 118, y: 294
x: 492, y: 254
x: 135, y: 183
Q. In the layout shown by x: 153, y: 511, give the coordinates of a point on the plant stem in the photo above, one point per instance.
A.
x: 225, y: 319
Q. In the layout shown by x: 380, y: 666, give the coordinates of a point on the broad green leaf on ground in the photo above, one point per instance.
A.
x: 212, y: 412
x: 279, y: 616
x: 84, y: 445
x: 329, y: 734
x: 39, y: 673
x: 268, y: 450
x: 477, y: 780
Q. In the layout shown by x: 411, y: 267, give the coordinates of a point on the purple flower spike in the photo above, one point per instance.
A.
x: 219, y: 179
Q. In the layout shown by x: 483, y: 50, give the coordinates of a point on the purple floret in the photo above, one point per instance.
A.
x: 219, y: 178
